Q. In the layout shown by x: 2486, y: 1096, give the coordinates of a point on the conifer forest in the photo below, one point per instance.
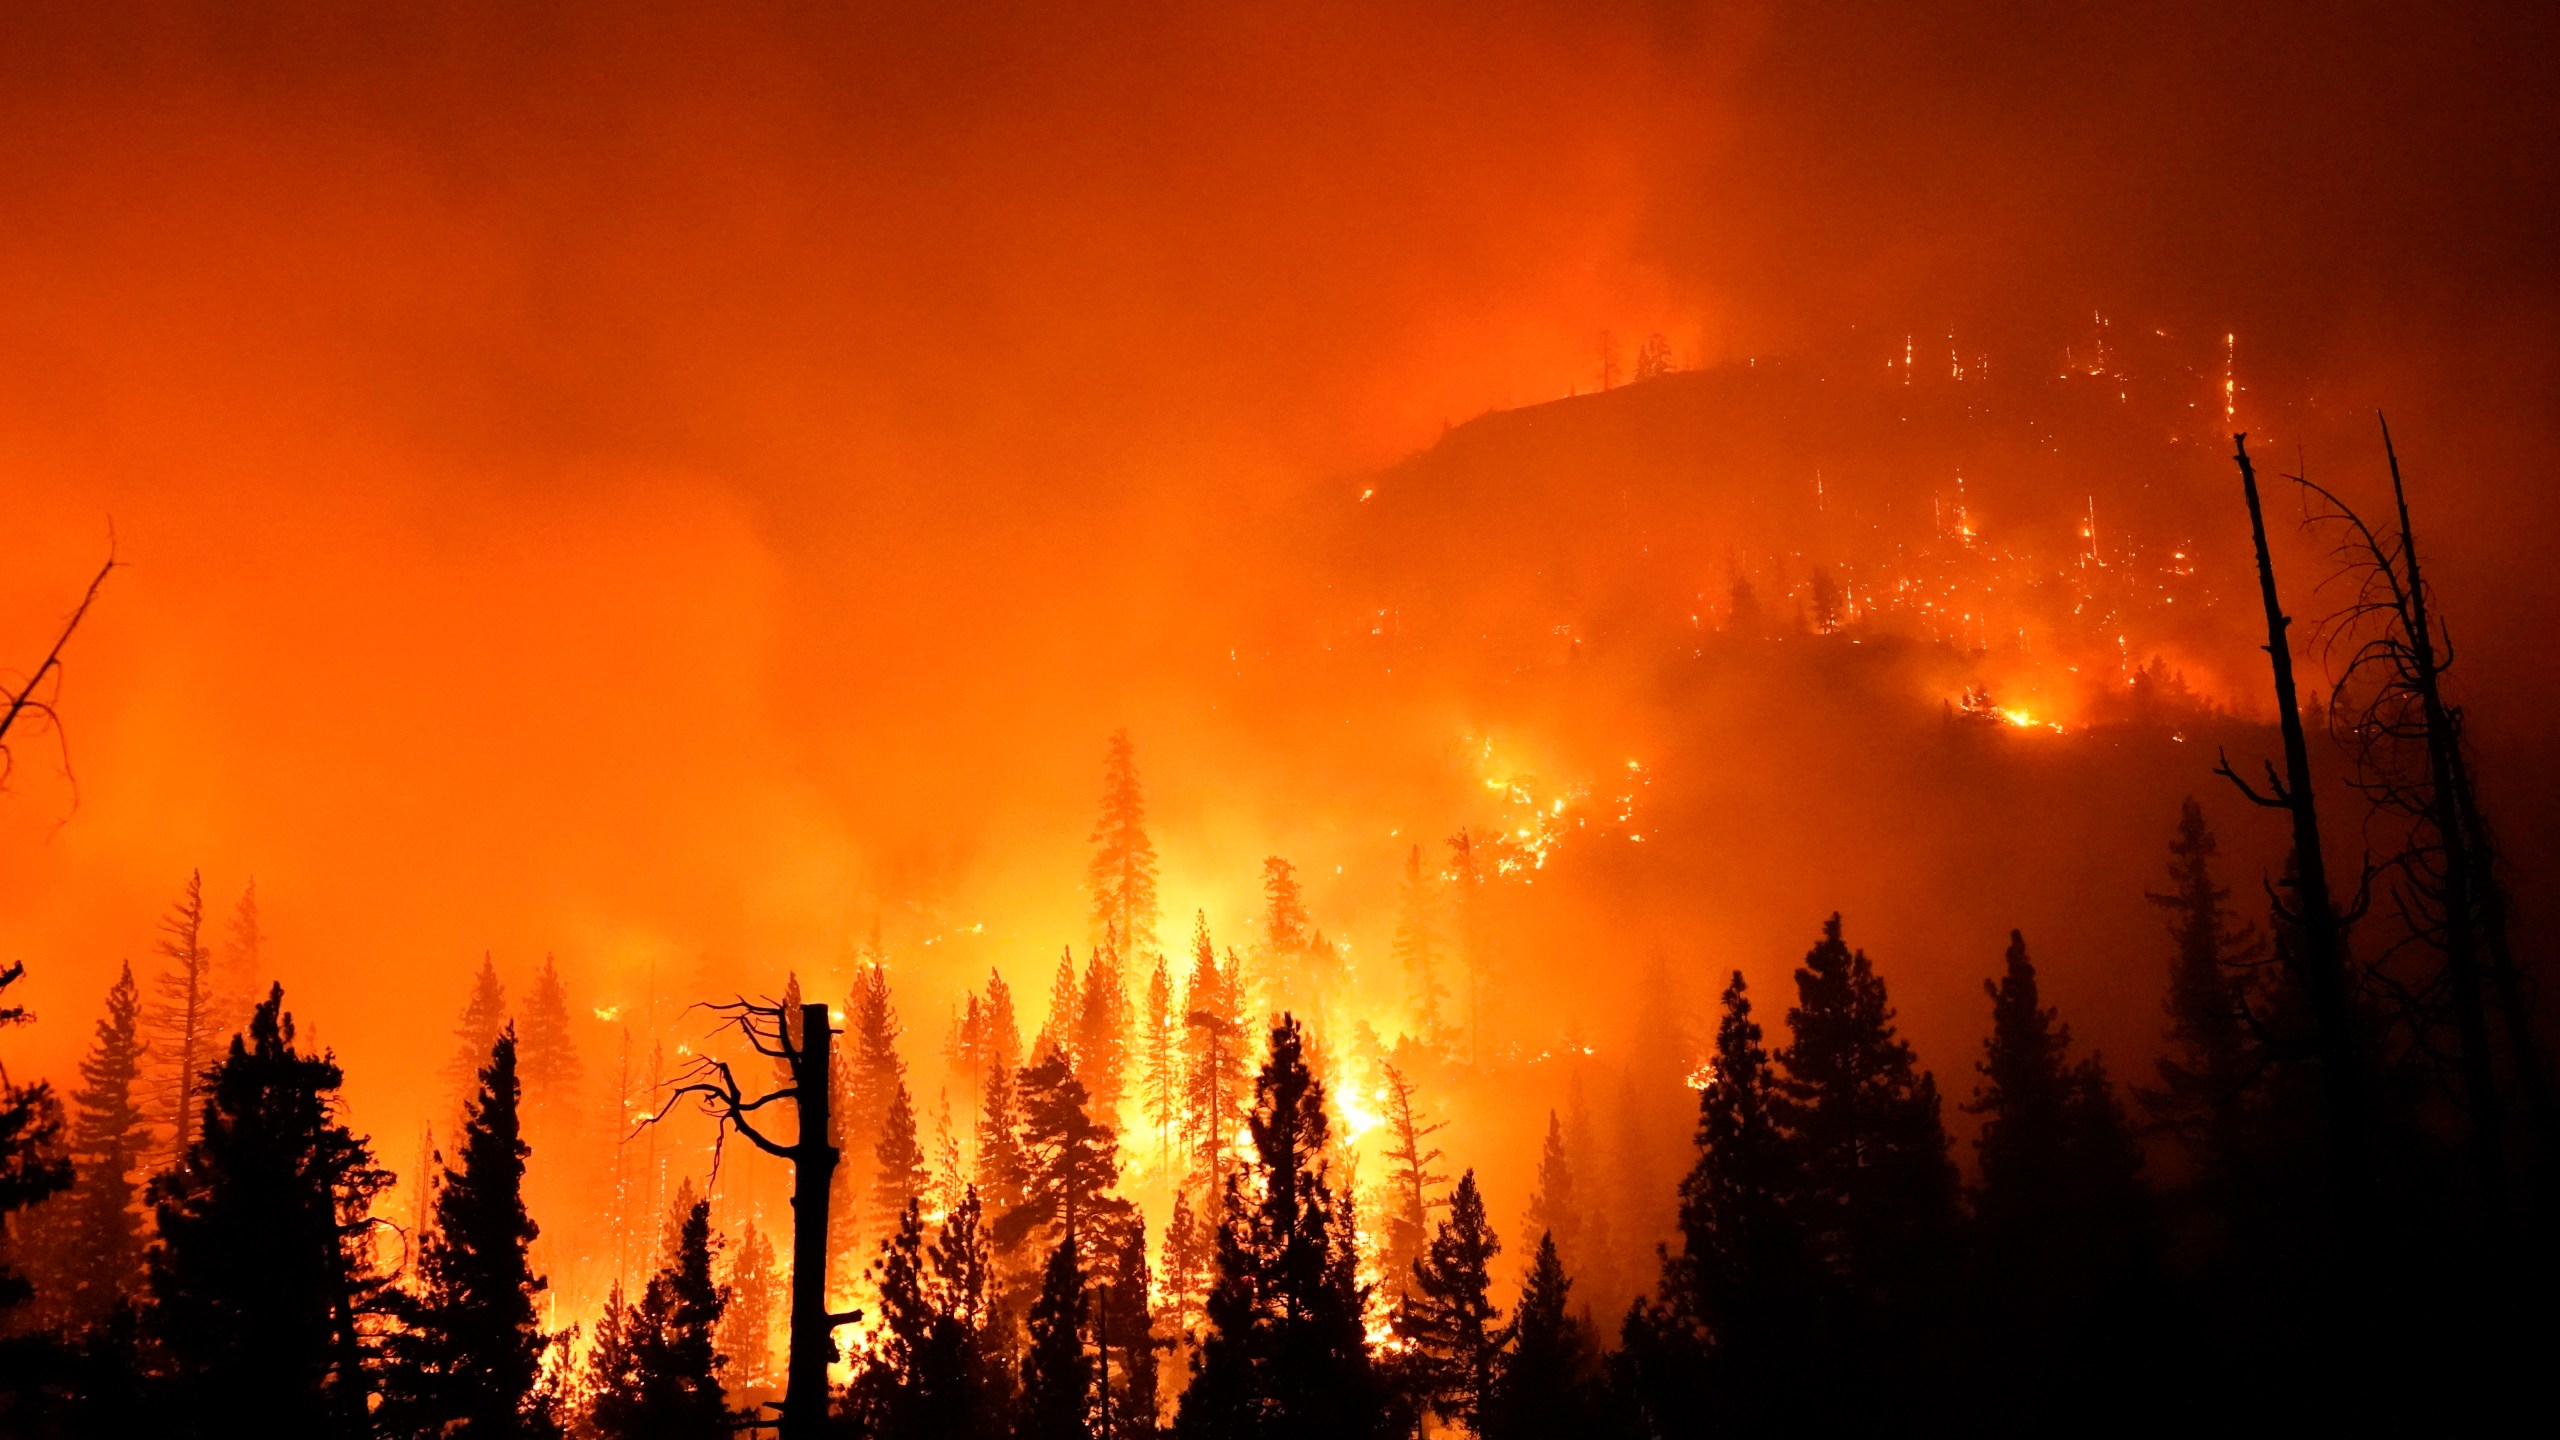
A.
x: 1309, y: 722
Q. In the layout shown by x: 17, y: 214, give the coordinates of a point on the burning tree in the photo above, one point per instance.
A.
x: 804, y: 1046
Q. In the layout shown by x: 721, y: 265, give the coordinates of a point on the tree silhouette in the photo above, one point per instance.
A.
x: 1213, y: 1086
x: 1162, y: 1060
x: 1410, y: 1182
x: 2202, y: 1097
x: 32, y: 1165
x: 1125, y: 1336
x: 664, y: 1383
x: 484, y: 1015
x: 1880, y: 1191
x: 1285, y: 1353
x: 470, y: 1359
x: 2062, y: 1233
x: 1554, y: 1210
x: 548, y: 1055
x: 1101, y: 1041
x: 746, y: 1326
x: 100, y: 1239
x: 1057, y: 1375
x: 1547, y: 1382
x: 868, y: 1085
x: 1122, y: 874
x: 1186, y: 1265
x: 898, y: 1173
x: 1448, y: 1320
x: 262, y: 1281
x: 1417, y: 949
x: 1070, y: 1162
x: 182, y: 1025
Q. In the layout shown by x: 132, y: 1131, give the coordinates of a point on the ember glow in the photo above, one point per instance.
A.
x: 1524, y: 513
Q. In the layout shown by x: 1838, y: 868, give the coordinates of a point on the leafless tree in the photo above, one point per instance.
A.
x: 803, y: 1044
x: 31, y: 702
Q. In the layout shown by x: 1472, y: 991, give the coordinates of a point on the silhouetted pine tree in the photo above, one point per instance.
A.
x: 1448, y: 1319
x: 1729, y: 1339
x: 470, y: 1358
x: 1287, y: 933
x: 1066, y: 1006
x: 1880, y: 1192
x: 899, y: 1175
x: 868, y: 1083
x: 1102, y: 1036
x: 1122, y: 875
x: 1057, y: 1374
x: 1186, y: 1266
x: 1070, y: 1163
x: 484, y: 1014
x: 1161, y: 1057
x: 1213, y: 1063
x: 2203, y: 1094
x: 1125, y: 1335
x: 2062, y: 1238
x: 1547, y: 1381
x: 747, y: 1323
x: 32, y: 1165
x: 242, y: 974
x: 1410, y: 1182
x: 183, y: 1026
x: 1554, y: 1210
x: 656, y: 1364
x: 263, y: 1273
x: 1285, y: 1354
x: 98, y: 1239
x: 548, y: 1056
x: 962, y: 1364
x: 1417, y: 950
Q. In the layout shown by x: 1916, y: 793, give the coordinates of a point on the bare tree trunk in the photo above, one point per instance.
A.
x: 2461, y: 865
x: 813, y: 1162
x: 2320, y: 962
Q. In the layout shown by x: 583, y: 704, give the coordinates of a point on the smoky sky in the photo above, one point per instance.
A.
x: 685, y: 483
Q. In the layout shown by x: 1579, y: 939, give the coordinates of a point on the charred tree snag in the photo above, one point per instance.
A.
x: 2317, y: 956
x: 25, y: 704
x: 804, y: 1043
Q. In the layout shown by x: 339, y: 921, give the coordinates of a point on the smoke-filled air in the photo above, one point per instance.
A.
x: 1618, y: 720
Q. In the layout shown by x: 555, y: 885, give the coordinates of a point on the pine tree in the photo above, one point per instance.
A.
x: 2202, y: 1097
x: 934, y: 1369
x: 1186, y: 1265
x: 1417, y: 950
x: 899, y: 1176
x: 1066, y: 1008
x: 2062, y: 1238
x: 1881, y: 1192
x: 1213, y: 1086
x: 1448, y: 1320
x: 470, y: 1360
x: 1122, y: 875
x: 664, y: 1384
x: 1102, y: 1036
x: 1730, y: 1334
x: 1057, y: 1375
x: 870, y: 1081
x: 549, y: 1052
x: 100, y: 1236
x: 243, y: 970
x: 1554, y: 1210
x: 1410, y: 1181
x: 184, y: 1026
x: 1285, y: 1353
x: 263, y: 1275
x: 1603, y: 1287
x: 1071, y: 1163
x: 32, y: 1165
x: 747, y: 1325
x: 1546, y: 1381
x: 1162, y: 1061
x: 483, y: 1016
x: 1287, y: 930
x: 1124, y: 1334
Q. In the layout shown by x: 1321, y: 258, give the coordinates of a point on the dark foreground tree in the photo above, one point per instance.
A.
x: 1285, y: 1354
x: 470, y: 1359
x: 263, y: 1276
x: 1547, y: 1383
x: 1879, y: 1192
x: 2062, y: 1234
x: 1057, y: 1375
x: 98, y: 1238
x: 935, y: 1368
x: 1447, y: 1318
x: 662, y: 1380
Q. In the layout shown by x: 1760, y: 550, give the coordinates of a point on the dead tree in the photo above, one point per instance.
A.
x: 2317, y: 956
x: 2411, y: 764
x: 803, y: 1043
x: 30, y: 701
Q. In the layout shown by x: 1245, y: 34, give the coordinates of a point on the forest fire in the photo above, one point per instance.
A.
x: 1236, y: 724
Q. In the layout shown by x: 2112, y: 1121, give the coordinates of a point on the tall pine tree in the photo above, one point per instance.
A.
x: 484, y: 1014
x: 1555, y: 1211
x: 469, y: 1362
x: 2203, y: 1097
x: 263, y: 1275
x: 184, y: 1027
x: 1285, y: 1353
x: 100, y: 1235
x: 1547, y: 1382
x: 1447, y: 1319
x: 1057, y: 1374
x: 1122, y: 875
x: 1417, y: 950
x: 657, y: 1363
